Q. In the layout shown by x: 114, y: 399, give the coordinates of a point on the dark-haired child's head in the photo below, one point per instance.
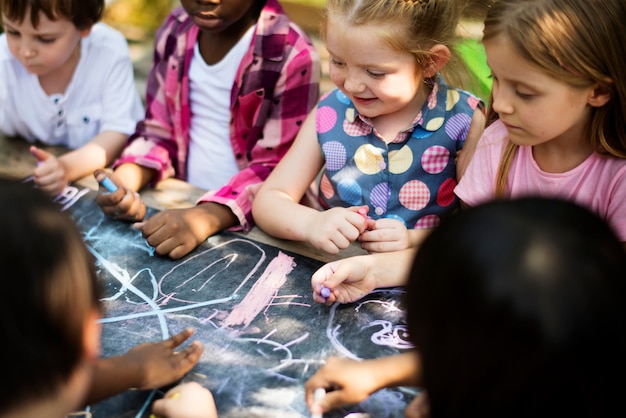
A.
x: 82, y: 13
x: 50, y: 298
x: 518, y: 309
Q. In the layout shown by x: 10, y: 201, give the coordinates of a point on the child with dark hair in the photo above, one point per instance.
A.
x: 65, y: 79
x: 231, y: 84
x: 50, y: 317
x: 526, y: 322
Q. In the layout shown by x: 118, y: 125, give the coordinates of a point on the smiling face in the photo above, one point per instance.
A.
x: 217, y: 16
x: 53, y: 46
x: 535, y: 107
x: 380, y: 81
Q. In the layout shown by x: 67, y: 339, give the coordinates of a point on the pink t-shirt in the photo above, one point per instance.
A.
x: 598, y: 183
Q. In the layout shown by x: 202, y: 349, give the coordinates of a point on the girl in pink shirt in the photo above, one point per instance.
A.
x: 558, y: 117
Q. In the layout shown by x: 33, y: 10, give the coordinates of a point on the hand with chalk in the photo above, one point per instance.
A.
x: 50, y: 174
x: 108, y: 184
x: 350, y: 279
x: 116, y: 200
x: 188, y: 400
x: 319, y: 281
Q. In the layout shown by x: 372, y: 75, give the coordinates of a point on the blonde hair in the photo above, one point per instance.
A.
x: 567, y: 42
x: 412, y: 26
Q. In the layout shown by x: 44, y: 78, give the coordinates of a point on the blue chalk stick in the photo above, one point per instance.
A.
x: 325, y: 292
x: 108, y: 184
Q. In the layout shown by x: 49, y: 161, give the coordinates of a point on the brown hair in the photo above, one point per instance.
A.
x: 564, y: 40
x: 51, y: 289
x: 82, y: 13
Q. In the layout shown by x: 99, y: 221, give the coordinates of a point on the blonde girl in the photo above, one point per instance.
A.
x: 559, y: 106
x: 386, y: 139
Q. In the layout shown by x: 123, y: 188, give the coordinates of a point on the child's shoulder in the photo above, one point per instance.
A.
x: 495, y: 133
x: 104, y: 35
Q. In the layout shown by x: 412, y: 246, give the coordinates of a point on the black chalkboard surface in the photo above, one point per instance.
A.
x: 251, y: 306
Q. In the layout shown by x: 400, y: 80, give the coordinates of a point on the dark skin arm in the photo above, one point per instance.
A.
x: 145, y: 366
x: 172, y: 232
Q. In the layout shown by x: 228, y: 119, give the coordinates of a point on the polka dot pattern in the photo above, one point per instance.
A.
x: 326, y: 189
x: 410, y: 178
x: 335, y: 154
x: 414, y: 195
x: 379, y: 198
x: 350, y: 191
x: 458, y: 126
x: 400, y: 161
x: 428, y: 221
x: 445, y: 194
x: 368, y: 159
x: 326, y: 119
x: 435, y: 159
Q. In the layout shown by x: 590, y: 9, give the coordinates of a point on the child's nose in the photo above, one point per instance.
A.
x: 501, y: 102
x: 352, y: 84
x: 27, y: 50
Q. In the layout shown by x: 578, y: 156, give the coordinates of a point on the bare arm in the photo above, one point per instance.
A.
x: 469, y: 146
x: 277, y: 209
x: 53, y: 173
x: 351, y: 381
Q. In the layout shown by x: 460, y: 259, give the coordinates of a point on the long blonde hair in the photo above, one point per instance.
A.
x: 567, y: 42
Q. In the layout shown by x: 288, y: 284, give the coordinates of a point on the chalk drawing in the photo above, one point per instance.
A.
x: 252, y: 308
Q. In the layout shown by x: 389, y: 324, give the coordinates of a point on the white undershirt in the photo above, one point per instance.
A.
x: 210, y: 162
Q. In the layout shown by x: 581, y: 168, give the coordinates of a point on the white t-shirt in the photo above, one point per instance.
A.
x: 598, y: 183
x: 211, y: 162
x: 101, y: 96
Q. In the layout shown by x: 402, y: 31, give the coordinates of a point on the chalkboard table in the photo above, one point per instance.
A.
x: 251, y: 306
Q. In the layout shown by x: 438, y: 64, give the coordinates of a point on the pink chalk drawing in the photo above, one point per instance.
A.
x: 262, y: 292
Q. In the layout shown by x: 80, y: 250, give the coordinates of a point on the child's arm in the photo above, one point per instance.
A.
x: 350, y: 381
x: 351, y: 278
x: 52, y: 173
x: 469, y: 146
x: 277, y: 209
x: 189, y: 400
x: 146, y: 366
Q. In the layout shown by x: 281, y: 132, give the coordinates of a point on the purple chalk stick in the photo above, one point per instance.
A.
x: 325, y: 292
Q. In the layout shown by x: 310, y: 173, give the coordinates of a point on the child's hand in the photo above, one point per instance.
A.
x: 334, y: 229
x: 123, y: 204
x: 189, y: 400
x: 177, y: 232
x: 159, y: 363
x: 50, y: 174
x: 348, y: 280
x: 347, y: 382
x: 385, y: 235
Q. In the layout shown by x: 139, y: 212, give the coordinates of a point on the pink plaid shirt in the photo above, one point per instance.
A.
x: 276, y: 85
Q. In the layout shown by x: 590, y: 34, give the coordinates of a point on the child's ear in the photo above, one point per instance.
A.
x: 599, y: 96
x: 86, y: 31
x: 438, y: 58
x: 91, y: 335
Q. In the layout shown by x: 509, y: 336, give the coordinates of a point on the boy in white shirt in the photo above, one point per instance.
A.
x: 65, y: 80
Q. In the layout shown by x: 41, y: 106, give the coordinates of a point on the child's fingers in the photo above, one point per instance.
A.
x: 39, y: 154
x: 177, y: 339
